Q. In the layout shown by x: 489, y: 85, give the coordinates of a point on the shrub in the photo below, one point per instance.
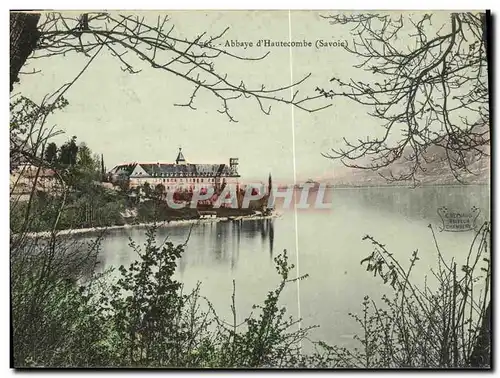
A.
x: 143, y: 318
x: 54, y: 321
x: 422, y: 325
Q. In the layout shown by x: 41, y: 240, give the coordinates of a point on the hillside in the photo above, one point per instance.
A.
x: 436, y: 173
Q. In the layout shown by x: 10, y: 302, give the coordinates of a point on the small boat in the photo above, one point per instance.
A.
x: 207, y: 214
x: 314, y: 187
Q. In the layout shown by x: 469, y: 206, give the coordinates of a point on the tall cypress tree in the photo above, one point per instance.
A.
x: 270, y: 184
x: 103, y: 169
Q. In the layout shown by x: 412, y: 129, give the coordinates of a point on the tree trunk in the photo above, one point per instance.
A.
x: 23, y: 38
x: 481, y: 354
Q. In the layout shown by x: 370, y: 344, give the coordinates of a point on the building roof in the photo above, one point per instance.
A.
x: 31, y: 171
x: 174, y: 170
x: 179, y: 169
x: 165, y: 170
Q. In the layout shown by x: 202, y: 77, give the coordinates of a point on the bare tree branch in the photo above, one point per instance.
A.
x: 429, y: 92
x: 133, y: 41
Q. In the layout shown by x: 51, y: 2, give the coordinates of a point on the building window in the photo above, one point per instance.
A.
x: 197, y: 180
x: 201, y: 180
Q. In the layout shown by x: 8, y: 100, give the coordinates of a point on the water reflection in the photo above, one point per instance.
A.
x: 223, y: 241
x: 210, y: 244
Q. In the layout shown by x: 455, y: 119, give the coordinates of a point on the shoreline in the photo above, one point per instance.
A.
x: 172, y: 223
x: 383, y: 186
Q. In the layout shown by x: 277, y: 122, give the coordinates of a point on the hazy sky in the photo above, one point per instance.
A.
x: 133, y: 117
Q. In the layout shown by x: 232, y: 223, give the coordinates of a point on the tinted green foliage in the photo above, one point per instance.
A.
x: 51, y: 153
x: 95, y: 207
x: 143, y: 318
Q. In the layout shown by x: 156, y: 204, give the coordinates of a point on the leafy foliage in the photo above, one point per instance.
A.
x: 425, y: 325
x: 144, y: 318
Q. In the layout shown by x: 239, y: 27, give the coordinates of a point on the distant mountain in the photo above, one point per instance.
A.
x: 437, y: 172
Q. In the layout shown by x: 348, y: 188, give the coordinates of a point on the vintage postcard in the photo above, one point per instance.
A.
x: 250, y: 189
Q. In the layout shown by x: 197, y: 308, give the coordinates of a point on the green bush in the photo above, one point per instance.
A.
x: 421, y: 325
x: 144, y: 318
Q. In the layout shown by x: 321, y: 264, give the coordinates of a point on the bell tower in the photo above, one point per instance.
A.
x: 180, y: 157
x: 233, y: 165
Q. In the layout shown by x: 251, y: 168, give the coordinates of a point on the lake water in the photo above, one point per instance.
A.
x: 326, y: 244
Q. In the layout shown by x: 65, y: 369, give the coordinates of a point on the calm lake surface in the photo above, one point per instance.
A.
x: 329, y: 247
